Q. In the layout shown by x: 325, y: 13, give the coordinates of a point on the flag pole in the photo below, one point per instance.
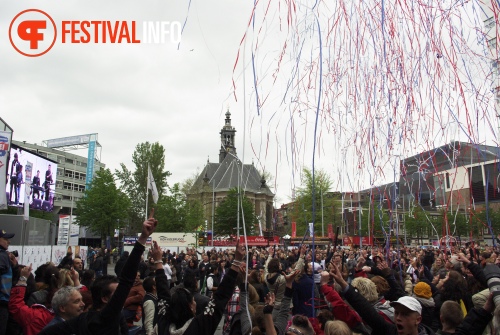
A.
x: 147, y: 188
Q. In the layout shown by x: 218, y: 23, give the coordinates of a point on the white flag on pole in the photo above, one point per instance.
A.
x: 152, y: 185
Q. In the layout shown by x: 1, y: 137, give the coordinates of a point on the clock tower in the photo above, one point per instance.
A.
x: 227, y: 134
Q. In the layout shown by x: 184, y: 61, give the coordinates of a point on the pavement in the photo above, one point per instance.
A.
x: 111, y: 271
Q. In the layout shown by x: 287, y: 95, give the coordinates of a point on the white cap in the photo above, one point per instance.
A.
x: 410, y: 303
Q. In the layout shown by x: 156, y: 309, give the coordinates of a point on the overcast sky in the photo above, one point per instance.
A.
x: 178, y: 94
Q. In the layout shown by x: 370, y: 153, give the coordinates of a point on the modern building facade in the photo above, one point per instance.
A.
x: 490, y: 12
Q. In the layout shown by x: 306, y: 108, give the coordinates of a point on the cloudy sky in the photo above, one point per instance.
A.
x: 359, y: 89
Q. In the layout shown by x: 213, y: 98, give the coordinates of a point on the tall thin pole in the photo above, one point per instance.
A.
x: 322, y: 216
x: 147, y: 185
x: 213, y: 210
x: 359, y: 215
x: 72, y: 199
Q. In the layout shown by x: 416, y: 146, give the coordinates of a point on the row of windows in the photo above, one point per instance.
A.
x: 65, y: 197
x: 71, y: 161
x: 71, y: 174
x: 62, y: 159
x: 75, y: 187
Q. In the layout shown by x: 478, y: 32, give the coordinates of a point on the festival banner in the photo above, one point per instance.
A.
x: 63, y: 233
x: 36, y: 255
x: 58, y: 253
x: 5, y: 137
x: 294, y: 229
x: 74, y: 231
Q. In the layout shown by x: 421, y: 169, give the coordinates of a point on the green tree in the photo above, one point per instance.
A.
x: 133, y: 183
x: 327, y: 206
x: 416, y: 223
x: 479, y: 220
x: 102, y: 205
x: 227, y: 212
x: 176, y: 214
x: 457, y: 222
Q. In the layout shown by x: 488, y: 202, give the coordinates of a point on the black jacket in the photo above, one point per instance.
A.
x: 106, y: 321
x: 202, y: 324
x: 119, y: 265
x: 372, y: 318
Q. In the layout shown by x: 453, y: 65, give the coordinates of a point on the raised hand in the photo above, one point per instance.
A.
x: 13, y: 259
x: 26, y: 271
x: 461, y: 257
x: 382, y: 265
x: 361, y: 263
x: 270, y: 298
x: 75, y: 276
x: 156, y: 252
x: 148, y: 227
x: 289, y: 278
x: 303, y: 250
x: 337, y: 275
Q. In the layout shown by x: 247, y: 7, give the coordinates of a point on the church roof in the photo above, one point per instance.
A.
x: 229, y: 174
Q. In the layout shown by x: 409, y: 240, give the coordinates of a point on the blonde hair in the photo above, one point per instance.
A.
x: 366, y: 288
x: 65, y: 278
x: 337, y: 327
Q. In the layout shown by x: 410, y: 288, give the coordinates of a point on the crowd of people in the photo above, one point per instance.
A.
x: 301, y: 291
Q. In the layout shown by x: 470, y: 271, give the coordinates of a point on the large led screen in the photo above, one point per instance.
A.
x: 26, y: 166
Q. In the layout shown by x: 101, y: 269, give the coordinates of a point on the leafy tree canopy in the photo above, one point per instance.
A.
x: 226, y: 215
x: 176, y: 214
x: 327, y: 207
x: 102, y: 205
x: 134, y: 183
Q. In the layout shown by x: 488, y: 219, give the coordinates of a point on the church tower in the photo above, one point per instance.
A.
x: 227, y: 134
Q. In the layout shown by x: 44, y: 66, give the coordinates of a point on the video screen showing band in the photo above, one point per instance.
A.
x: 23, y: 167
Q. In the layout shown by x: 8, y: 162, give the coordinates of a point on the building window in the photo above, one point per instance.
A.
x: 448, y: 180
x: 491, y: 173
x: 69, y: 161
x: 492, y: 43
x: 489, y: 23
x: 476, y: 183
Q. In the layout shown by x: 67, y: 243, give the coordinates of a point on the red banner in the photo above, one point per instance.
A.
x: 253, y: 241
x: 365, y: 239
x: 331, y: 235
x: 294, y: 229
x: 260, y: 240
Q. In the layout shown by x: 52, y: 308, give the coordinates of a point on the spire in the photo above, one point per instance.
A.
x: 227, y: 138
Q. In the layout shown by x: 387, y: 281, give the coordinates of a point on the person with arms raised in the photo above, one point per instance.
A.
x: 108, y: 297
